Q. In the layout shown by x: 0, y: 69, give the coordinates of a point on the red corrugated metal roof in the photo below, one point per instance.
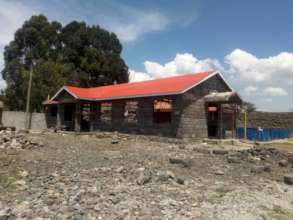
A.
x: 164, y: 86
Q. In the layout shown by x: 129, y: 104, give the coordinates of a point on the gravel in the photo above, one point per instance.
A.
x: 87, y: 177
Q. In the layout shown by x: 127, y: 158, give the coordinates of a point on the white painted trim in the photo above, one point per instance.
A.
x: 60, y: 90
x: 70, y: 93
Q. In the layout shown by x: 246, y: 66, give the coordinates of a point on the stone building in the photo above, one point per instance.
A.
x: 187, y: 106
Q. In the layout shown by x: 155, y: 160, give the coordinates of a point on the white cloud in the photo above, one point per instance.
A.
x: 128, y: 21
x: 12, y: 16
x: 138, y: 76
x: 271, y: 76
x: 138, y: 22
x: 182, y: 64
x: 274, y: 91
x: 251, y: 68
x: 249, y: 90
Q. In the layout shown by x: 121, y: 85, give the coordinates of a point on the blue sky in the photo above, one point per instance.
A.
x: 250, y: 42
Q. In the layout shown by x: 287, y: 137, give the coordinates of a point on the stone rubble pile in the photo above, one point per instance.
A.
x: 262, y: 159
x: 257, y: 154
x: 261, y: 152
x: 16, y: 140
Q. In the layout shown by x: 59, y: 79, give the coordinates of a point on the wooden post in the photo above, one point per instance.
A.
x: 58, y: 123
x: 77, y: 116
x: 28, y: 98
x: 221, y: 121
x: 245, y: 125
x: 233, y: 121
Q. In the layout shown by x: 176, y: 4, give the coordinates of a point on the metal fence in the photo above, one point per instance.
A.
x: 264, y: 134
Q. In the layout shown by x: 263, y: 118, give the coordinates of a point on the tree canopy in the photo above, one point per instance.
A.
x: 76, y: 54
x: 249, y: 107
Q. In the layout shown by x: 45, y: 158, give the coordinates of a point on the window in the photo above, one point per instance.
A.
x: 68, y: 113
x: 53, y: 111
x: 130, y: 112
x: 162, y: 111
x: 106, y: 111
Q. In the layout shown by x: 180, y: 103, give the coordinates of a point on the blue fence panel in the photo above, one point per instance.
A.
x: 265, y: 134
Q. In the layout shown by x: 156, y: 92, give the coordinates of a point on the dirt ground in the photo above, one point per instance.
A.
x: 133, y: 177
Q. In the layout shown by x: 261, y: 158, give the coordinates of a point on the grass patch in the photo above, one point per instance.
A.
x: 9, y: 173
x: 6, y: 182
x: 223, y: 190
x: 278, y: 213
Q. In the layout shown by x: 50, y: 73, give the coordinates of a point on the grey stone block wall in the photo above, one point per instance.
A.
x: 193, y: 123
x: 17, y: 120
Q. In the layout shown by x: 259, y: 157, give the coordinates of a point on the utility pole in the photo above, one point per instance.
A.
x: 28, y: 98
x: 245, y: 125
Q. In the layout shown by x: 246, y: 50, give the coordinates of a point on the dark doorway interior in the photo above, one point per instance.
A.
x: 85, y: 117
x: 68, y: 113
x: 213, y: 120
x: 68, y: 117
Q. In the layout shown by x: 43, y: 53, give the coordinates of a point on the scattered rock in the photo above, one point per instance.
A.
x: 283, y: 163
x: 219, y: 172
x: 180, y: 180
x: 288, y: 179
x: 144, y: 177
x: 5, y: 213
x: 165, y: 176
x: 119, y: 169
x: 23, y: 173
x: 257, y: 169
x: 261, y: 168
x: 290, y: 159
x: 233, y: 159
x: 202, y: 150
x: 184, y: 162
x: 220, y: 151
x: 182, y: 147
x: 114, y: 141
x: 267, y: 168
x: 16, y: 140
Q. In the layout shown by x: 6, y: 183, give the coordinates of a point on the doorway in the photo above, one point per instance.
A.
x: 213, y: 120
x: 85, y: 117
x: 68, y: 117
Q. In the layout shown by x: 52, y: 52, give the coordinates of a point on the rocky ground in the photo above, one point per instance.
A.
x: 115, y: 176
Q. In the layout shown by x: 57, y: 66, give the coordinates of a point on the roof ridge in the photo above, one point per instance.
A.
x: 150, y: 80
x: 173, y: 85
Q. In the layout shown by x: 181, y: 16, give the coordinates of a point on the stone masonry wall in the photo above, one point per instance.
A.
x: 193, y: 122
x: 189, y: 118
x: 145, y: 123
x: 269, y: 120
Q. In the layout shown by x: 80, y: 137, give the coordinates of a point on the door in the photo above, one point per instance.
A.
x: 85, y: 117
x: 213, y: 120
x: 68, y: 116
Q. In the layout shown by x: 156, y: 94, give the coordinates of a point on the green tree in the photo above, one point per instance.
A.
x: 76, y: 54
x: 249, y: 107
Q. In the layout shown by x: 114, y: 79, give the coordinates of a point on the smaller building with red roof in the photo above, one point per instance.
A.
x: 193, y: 106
